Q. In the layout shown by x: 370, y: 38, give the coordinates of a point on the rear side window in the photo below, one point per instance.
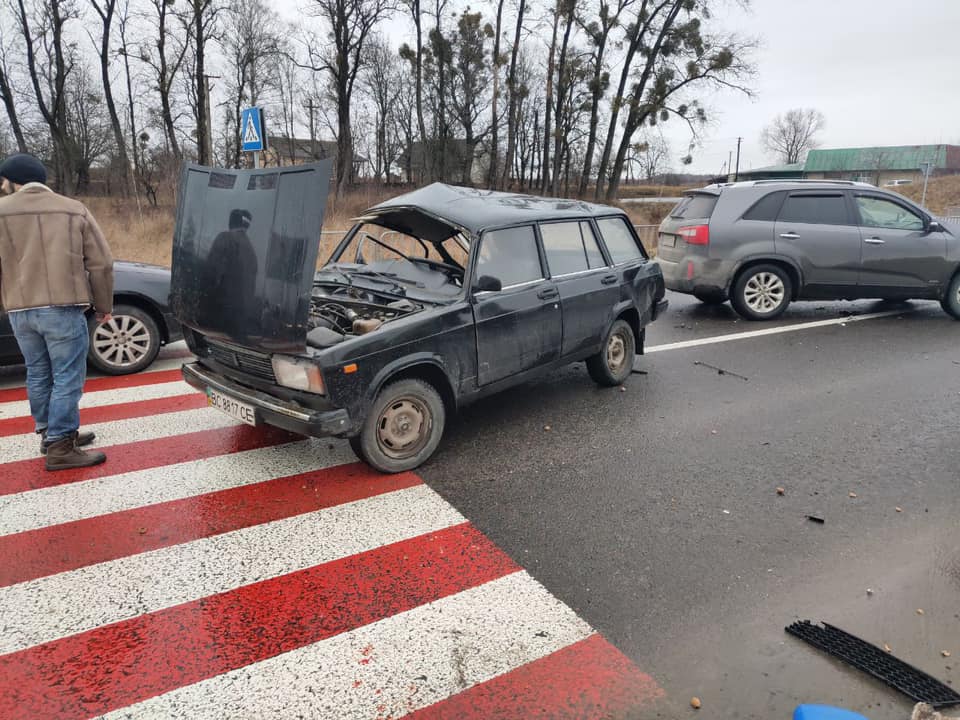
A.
x: 571, y: 247
x: 510, y: 255
x: 695, y: 207
x: 619, y: 240
x: 815, y: 210
x: 766, y: 208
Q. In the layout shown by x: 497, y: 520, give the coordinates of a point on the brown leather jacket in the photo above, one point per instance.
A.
x: 52, y: 252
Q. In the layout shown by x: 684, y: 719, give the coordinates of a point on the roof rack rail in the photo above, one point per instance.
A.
x: 849, y: 183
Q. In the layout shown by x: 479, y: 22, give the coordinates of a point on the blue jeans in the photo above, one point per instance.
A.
x: 54, y: 343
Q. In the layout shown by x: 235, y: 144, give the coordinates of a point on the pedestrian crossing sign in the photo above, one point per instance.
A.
x: 252, y: 137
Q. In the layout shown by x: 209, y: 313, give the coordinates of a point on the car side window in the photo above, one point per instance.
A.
x: 766, y: 208
x: 619, y: 240
x: 879, y: 213
x: 571, y: 247
x: 815, y: 209
x: 510, y: 255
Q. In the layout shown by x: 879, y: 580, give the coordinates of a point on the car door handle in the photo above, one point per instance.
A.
x: 789, y: 235
x: 548, y: 294
x: 609, y: 279
x: 873, y: 241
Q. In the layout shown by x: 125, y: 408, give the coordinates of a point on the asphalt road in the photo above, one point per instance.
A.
x: 653, y: 512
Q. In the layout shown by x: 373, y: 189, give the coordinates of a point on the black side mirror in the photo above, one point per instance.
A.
x: 934, y: 226
x: 486, y: 283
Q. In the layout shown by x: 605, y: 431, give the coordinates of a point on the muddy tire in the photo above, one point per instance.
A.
x: 762, y: 292
x: 403, y: 428
x: 614, y: 363
x: 951, y: 301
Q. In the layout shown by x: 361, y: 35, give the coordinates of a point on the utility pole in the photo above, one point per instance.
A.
x: 729, y: 163
x: 926, y: 167
x: 313, y: 133
x: 207, y: 139
x: 736, y: 174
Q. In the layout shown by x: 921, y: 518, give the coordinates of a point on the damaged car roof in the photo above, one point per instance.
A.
x: 422, y: 212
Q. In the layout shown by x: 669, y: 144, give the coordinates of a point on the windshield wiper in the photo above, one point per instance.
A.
x: 385, y: 278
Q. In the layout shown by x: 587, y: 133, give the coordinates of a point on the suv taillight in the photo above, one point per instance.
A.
x: 695, y: 234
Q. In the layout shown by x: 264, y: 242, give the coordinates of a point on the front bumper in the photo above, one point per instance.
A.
x: 284, y: 414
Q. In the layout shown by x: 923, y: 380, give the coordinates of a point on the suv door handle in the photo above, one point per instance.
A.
x: 609, y: 279
x: 548, y: 294
x: 789, y: 235
x: 874, y: 241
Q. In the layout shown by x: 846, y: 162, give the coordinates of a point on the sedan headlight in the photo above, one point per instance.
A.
x: 298, y: 374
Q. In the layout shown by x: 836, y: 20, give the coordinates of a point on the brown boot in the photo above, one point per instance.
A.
x: 64, y: 455
x: 82, y: 438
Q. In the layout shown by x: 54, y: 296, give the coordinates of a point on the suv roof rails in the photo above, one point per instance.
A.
x: 852, y: 183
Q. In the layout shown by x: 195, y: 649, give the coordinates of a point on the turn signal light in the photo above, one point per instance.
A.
x: 695, y: 234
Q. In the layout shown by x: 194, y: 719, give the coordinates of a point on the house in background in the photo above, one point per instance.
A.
x: 286, y: 151
x: 452, y: 159
x: 874, y: 165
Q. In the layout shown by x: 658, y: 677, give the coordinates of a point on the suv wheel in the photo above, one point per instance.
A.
x: 761, y: 292
x: 126, y: 344
x: 612, y: 365
x: 951, y: 301
x: 403, y: 428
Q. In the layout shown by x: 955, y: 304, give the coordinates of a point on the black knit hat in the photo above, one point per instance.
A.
x: 22, y: 169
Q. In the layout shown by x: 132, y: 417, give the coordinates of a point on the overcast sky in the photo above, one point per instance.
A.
x: 883, y: 72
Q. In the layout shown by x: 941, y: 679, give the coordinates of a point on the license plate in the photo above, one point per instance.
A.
x: 233, y: 408
x: 668, y: 240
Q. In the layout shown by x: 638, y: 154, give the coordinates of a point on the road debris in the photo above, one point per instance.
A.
x: 919, y: 611
x: 898, y: 509
x: 695, y: 703
x: 780, y: 491
x: 721, y: 371
x: 816, y: 519
x: 945, y: 653
x: 852, y: 494
x: 869, y: 592
x: 887, y: 648
x: 547, y: 428
x: 622, y: 389
x: 142, y: 531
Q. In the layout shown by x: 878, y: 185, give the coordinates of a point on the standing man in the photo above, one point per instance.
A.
x: 54, y: 263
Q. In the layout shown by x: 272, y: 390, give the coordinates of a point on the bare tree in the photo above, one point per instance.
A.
x: 415, y: 58
x: 516, y: 92
x: 469, y: 77
x: 351, y: 22
x: 7, y: 93
x: 493, y: 171
x: 791, y: 135
x: 382, y: 83
x: 652, y: 155
x: 547, y: 131
x: 201, y: 23
x: 566, y: 8
x: 166, y: 59
x: 123, y: 24
x: 88, y: 127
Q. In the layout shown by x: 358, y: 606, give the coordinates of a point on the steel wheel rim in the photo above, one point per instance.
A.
x: 122, y: 342
x: 764, y: 292
x: 616, y: 353
x: 403, y: 428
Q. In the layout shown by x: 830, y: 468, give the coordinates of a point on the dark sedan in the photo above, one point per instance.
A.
x: 142, y: 323
x: 434, y: 299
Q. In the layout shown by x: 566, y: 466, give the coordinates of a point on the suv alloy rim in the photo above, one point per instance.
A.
x: 403, y: 428
x: 764, y: 292
x: 121, y: 342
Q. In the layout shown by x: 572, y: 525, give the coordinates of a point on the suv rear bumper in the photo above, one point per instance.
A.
x: 696, y: 275
x: 284, y: 414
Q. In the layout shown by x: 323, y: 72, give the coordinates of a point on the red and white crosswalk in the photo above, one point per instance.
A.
x: 213, y: 570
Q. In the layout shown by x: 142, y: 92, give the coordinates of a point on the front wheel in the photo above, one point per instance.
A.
x: 762, y: 292
x: 613, y: 364
x: 125, y: 344
x: 951, y: 301
x: 403, y: 428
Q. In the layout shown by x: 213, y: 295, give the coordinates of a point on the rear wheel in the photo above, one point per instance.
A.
x: 403, y: 428
x: 126, y: 344
x: 761, y: 292
x: 951, y: 301
x: 613, y: 364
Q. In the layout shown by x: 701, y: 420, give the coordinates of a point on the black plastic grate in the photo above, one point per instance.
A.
x: 256, y: 364
x: 872, y: 660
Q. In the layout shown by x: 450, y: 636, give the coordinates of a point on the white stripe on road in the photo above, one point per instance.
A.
x: 103, y: 398
x: 450, y: 644
x: 91, y: 498
x: 771, y: 331
x: 48, y: 608
x: 116, y: 432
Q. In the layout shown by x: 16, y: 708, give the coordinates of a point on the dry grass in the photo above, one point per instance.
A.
x: 943, y: 193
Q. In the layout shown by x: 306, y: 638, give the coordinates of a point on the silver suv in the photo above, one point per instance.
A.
x: 765, y: 243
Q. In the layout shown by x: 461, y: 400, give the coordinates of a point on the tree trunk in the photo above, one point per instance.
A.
x: 11, y: 109
x: 562, y: 82
x: 130, y: 105
x: 165, y: 84
x: 545, y: 158
x: 493, y: 173
x: 200, y: 40
x: 512, y: 104
x: 597, y: 93
x: 419, y: 87
x: 106, y: 17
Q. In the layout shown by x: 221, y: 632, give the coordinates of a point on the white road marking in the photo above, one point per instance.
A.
x: 770, y: 331
x: 75, y: 501
x: 451, y: 644
x: 48, y: 608
x: 103, y: 398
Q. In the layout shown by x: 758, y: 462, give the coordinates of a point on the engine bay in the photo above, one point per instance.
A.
x: 338, y: 313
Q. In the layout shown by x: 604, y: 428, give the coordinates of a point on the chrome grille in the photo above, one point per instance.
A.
x: 254, y: 363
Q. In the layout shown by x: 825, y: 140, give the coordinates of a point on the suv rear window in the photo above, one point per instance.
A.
x: 695, y: 207
x: 815, y: 210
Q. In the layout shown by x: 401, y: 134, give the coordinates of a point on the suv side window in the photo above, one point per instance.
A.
x: 880, y: 213
x: 510, y: 255
x: 571, y: 247
x: 815, y: 209
x: 619, y: 240
x: 766, y: 208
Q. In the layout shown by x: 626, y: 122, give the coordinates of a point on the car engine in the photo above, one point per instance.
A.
x: 346, y: 312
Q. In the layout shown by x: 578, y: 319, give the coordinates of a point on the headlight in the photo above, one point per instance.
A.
x: 298, y: 374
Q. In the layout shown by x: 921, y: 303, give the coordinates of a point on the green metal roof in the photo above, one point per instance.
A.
x: 792, y: 168
x: 897, y: 157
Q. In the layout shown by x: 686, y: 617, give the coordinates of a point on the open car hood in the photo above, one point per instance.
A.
x: 244, y: 252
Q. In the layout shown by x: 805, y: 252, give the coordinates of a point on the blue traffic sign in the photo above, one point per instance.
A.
x: 252, y: 137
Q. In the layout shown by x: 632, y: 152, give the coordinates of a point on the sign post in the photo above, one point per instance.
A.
x: 925, y: 167
x: 253, y: 137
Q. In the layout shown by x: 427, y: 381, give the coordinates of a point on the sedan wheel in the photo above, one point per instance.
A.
x: 614, y: 363
x: 762, y: 292
x: 127, y: 343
